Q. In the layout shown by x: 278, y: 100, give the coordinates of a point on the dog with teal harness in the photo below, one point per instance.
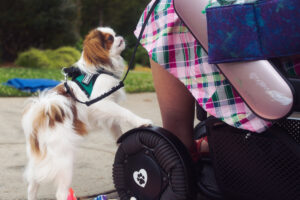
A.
x: 85, y: 81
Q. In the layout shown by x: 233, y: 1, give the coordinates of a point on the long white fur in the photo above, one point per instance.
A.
x: 57, y: 144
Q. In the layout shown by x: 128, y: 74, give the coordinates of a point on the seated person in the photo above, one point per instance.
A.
x: 182, y: 75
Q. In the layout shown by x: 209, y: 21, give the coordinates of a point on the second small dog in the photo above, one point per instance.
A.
x: 54, y: 122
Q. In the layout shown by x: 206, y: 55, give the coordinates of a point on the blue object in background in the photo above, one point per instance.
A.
x: 101, y: 197
x: 31, y: 85
x: 254, y: 31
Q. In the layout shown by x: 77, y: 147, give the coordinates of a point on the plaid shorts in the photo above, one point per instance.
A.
x: 170, y: 44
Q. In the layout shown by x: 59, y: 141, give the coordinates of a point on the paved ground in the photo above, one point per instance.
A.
x: 93, y: 171
x: 94, y: 158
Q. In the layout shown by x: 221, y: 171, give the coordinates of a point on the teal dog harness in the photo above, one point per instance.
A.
x: 85, y: 81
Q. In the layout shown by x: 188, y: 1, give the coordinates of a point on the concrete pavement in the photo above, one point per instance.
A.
x: 92, y: 173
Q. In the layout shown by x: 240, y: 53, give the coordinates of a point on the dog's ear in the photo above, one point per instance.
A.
x: 95, y: 51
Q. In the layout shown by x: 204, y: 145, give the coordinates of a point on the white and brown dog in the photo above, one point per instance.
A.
x: 54, y: 122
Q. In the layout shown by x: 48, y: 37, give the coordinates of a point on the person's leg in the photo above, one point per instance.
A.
x: 177, y: 105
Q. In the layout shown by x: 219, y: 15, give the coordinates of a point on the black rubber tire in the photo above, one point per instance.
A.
x: 152, y: 164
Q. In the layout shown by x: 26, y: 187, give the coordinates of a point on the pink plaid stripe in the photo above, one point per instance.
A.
x: 170, y: 44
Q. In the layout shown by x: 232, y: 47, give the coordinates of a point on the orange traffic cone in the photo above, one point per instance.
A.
x: 71, y: 195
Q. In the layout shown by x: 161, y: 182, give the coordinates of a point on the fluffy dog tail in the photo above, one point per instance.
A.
x: 52, y: 130
x: 46, y: 111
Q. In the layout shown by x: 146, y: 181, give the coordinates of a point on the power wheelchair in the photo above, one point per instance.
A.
x: 152, y: 164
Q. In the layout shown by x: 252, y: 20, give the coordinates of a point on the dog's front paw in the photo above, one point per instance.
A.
x: 144, y: 123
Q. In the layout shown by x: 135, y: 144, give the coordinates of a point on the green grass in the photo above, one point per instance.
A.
x: 7, y: 73
x: 137, y: 81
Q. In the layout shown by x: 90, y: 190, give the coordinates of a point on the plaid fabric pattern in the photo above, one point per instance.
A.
x: 170, y: 44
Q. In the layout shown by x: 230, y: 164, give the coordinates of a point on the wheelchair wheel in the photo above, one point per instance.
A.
x: 152, y: 164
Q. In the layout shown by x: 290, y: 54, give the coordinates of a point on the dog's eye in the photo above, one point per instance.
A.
x: 110, y: 38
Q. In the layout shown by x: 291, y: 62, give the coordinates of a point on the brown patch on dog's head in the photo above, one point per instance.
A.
x: 96, y: 48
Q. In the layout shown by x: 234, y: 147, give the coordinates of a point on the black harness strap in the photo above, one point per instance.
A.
x: 140, y: 37
x: 121, y: 83
x: 74, y: 72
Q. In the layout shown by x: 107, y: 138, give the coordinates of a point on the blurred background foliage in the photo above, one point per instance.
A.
x: 58, y: 58
x: 34, y: 25
x: 39, y: 37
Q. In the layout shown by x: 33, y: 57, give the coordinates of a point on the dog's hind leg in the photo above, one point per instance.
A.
x: 32, y: 189
x: 63, y: 181
x: 33, y: 185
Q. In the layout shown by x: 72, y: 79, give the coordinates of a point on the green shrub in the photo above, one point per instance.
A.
x: 33, y: 58
x: 59, y: 58
x: 0, y: 54
x: 74, y: 53
x: 33, y: 23
x: 79, y: 45
x: 141, y: 56
x: 63, y: 57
